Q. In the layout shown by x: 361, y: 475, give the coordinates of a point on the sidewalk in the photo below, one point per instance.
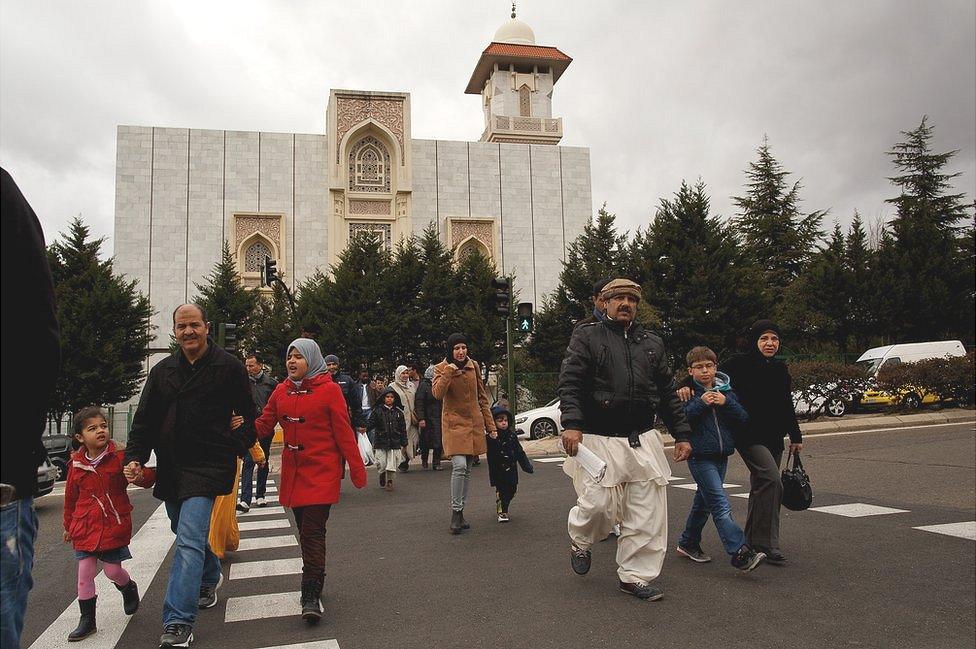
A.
x: 550, y: 446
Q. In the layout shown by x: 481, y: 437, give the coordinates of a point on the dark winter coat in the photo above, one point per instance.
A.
x: 97, y: 512
x: 352, y: 393
x: 505, y: 454
x: 713, y: 427
x: 318, y: 439
x: 764, y: 388
x: 28, y: 308
x: 389, y: 426
x: 261, y: 389
x: 429, y: 412
x: 613, y: 380
x: 184, y: 415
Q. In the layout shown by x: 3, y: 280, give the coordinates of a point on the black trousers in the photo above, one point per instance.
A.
x: 311, y: 521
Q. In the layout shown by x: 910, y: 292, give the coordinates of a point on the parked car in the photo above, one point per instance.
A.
x: 59, y: 452
x: 889, y: 355
x: 539, y: 422
x: 47, y: 475
x: 836, y: 405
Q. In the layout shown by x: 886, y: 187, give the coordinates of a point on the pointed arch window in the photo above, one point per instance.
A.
x: 254, y: 256
x: 369, y: 166
x: 525, y: 101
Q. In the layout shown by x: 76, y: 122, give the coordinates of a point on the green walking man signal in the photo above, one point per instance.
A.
x: 523, y: 317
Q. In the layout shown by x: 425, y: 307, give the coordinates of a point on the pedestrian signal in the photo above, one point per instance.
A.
x: 270, y: 271
x: 503, y: 295
x: 227, y: 336
x: 523, y: 317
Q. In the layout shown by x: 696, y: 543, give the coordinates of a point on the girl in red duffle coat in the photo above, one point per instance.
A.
x: 318, y: 438
x: 97, y: 515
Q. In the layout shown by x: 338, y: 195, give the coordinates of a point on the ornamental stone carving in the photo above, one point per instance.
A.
x: 351, y: 110
x: 480, y: 230
x: 246, y: 225
x: 401, y: 206
x: 368, y: 208
x: 382, y: 231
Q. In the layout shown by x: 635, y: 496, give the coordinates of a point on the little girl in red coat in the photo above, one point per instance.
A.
x: 318, y: 439
x: 97, y: 515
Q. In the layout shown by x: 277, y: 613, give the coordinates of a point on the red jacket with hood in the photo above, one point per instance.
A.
x: 97, y: 511
x: 317, y: 437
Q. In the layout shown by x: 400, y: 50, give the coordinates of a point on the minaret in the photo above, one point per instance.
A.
x: 515, y: 78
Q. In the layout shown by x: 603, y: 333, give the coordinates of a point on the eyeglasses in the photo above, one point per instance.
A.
x: 703, y: 366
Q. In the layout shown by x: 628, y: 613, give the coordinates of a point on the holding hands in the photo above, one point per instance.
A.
x: 132, y: 472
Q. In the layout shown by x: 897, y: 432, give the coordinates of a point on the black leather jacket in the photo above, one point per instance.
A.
x: 613, y: 381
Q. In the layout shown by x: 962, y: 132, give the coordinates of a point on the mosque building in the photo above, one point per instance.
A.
x: 514, y: 194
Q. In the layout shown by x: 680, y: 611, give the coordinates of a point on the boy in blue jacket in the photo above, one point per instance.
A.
x: 713, y: 411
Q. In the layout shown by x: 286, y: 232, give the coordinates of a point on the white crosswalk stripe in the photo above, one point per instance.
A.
x: 966, y: 530
x: 271, y: 524
x: 267, y: 568
x: 262, y: 511
x: 691, y: 486
x: 267, y: 542
x: 253, y: 607
x: 318, y: 644
x: 546, y: 460
x: 858, y: 510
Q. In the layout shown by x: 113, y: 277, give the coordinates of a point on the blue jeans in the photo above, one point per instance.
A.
x: 460, y: 479
x: 19, y: 529
x: 247, y: 473
x: 710, y: 498
x: 193, y: 564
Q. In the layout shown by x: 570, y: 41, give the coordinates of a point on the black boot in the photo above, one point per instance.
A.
x: 130, y: 597
x: 456, y: 521
x: 436, y: 462
x: 311, y: 602
x: 465, y: 525
x: 86, y: 625
x: 423, y: 460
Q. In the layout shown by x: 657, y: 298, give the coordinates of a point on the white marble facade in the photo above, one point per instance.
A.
x: 181, y: 192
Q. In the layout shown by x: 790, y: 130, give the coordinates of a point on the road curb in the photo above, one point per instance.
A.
x: 550, y: 447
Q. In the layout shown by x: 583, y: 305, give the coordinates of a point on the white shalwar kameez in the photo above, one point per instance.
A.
x: 633, y: 492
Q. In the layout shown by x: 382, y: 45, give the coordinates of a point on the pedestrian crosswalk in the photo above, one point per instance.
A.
x: 963, y: 530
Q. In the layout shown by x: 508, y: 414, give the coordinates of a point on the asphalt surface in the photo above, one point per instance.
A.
x: 397, y: 578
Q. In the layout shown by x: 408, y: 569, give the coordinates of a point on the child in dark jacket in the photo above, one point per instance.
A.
x: 97, y: 515
x: 504, y: 455
x: 713, y: 411
x: 388, y: 428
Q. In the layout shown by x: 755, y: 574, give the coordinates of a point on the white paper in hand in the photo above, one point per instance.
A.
x: 589, y: 461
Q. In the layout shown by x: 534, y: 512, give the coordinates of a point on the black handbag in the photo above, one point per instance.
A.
x: 797, y: 492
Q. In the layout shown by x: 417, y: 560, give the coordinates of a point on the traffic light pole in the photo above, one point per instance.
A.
x: 512, y: 402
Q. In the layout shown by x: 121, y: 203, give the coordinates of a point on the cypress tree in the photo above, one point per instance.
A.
x: 225, y: 299
x: 105, y: 326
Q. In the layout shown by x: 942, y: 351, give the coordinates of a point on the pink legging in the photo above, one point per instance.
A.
x: 88, y: 569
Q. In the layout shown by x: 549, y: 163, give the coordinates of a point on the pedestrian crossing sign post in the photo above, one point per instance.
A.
x: 523, y: 317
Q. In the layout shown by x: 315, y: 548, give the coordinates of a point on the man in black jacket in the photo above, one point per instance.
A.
x: 351, y: 391
x: 29, y: 309
x: 184, y: 415
x: 614, y: 378
x: 262, y: 385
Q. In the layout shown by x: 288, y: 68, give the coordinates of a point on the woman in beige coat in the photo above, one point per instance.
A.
x: 407, y: 391
x: 465, y: 419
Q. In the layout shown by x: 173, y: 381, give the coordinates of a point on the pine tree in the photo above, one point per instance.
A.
x: 858, y: 259
x: 476, y: 308
x: 438, y: 297
x: 966, y: 280
x: 925, y: 229
x: 105, y: 326
x: 225, y: 299
x: 818, y: 302
x: 776, y: 235
x: 273, y: 329
x: 401, y: 289
x: 693, y: 274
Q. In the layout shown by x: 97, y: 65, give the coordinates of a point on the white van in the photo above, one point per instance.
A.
x: 874, y: 359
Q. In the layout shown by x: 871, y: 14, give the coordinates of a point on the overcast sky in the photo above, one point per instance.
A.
x: 659, y: 91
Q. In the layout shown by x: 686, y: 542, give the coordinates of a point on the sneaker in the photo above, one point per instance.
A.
x: 208, y: 594
x: 404, y: 466
x: 243, y: 506
x: 774, y: 557
x: 695, y: 553
x: 641, y: 590
x: 176, y: 635
x: 389, y: 484
x: 747, y: 559
x: 260, y: 502
x: 503, y: 517
x: 580, y: 560
x: 382, y: 479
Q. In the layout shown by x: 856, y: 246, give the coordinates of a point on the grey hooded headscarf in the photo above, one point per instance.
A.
x: 309, y: 349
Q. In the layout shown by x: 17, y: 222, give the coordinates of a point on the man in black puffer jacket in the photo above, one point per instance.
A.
x: 613, y: 380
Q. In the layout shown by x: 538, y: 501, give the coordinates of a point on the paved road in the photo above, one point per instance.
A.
x: 398, y: 579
